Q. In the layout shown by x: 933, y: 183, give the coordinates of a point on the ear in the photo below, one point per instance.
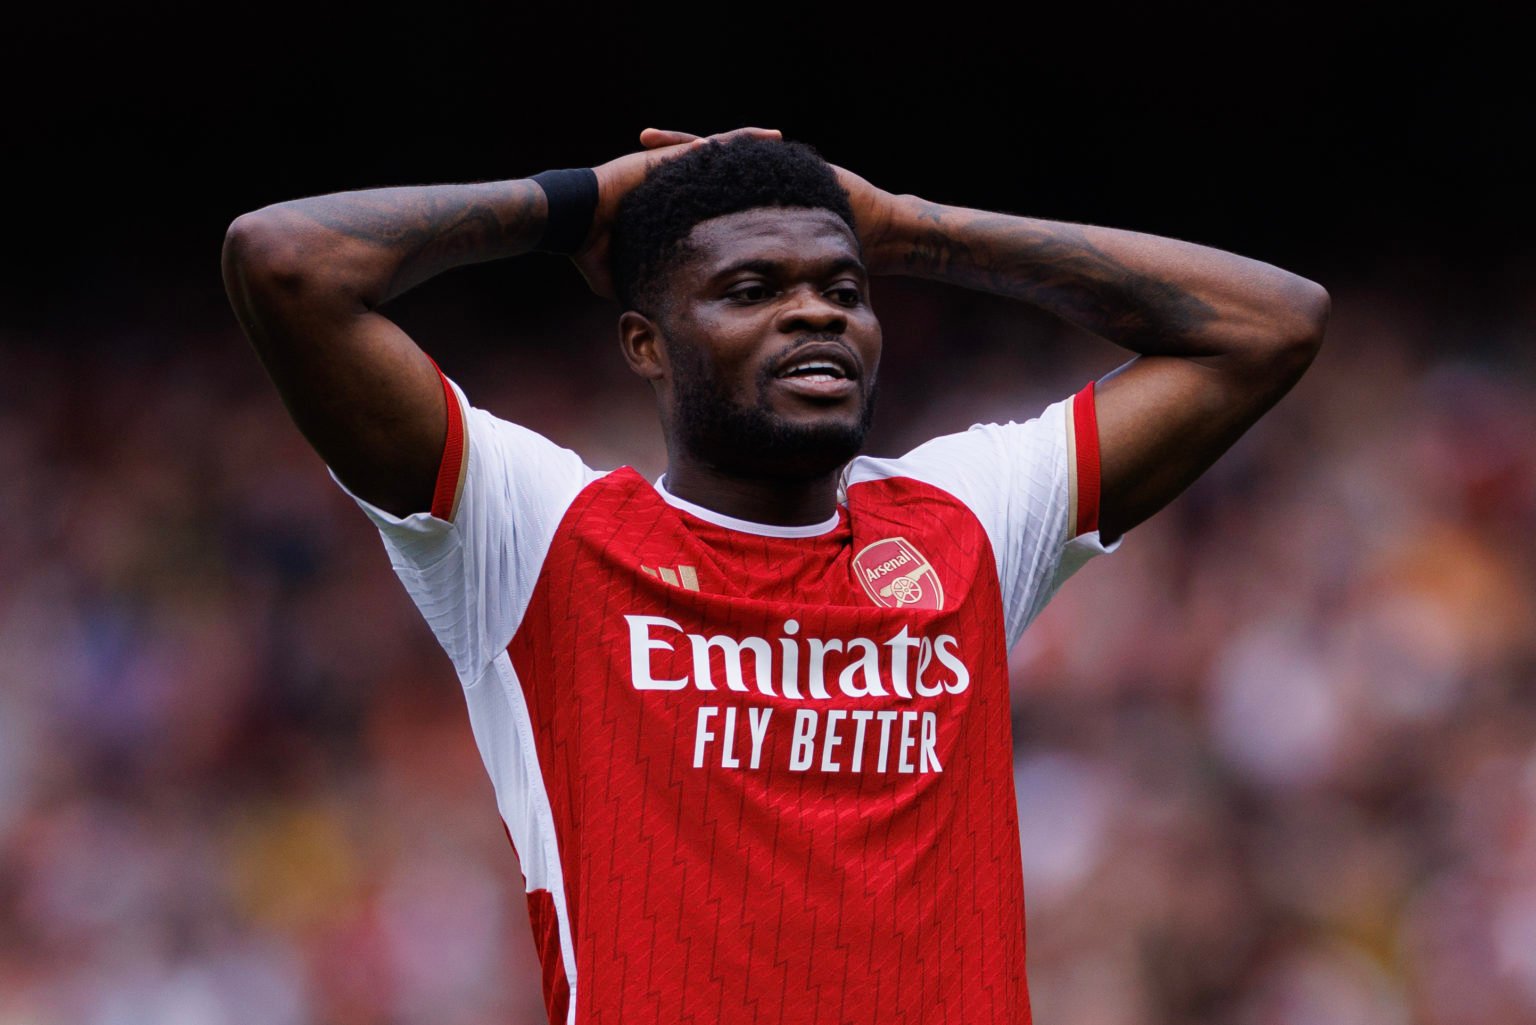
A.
x: 641, y: 342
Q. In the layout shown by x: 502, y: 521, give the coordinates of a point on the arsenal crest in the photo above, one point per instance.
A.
x: 896, y: 576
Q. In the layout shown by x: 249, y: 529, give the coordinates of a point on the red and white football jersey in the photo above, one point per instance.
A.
x: 756, y: 773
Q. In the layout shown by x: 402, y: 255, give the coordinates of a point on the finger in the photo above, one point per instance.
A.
x: 656, y: 138
x: 653, y: 138
x: 756, y: 133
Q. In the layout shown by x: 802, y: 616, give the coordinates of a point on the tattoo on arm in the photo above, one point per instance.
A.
x: 1058, y: 269
x: 432, y: 228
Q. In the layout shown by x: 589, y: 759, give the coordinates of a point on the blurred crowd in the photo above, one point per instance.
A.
x: 1276, y: 756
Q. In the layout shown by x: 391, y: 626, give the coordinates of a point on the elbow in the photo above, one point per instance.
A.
x: 1289, y: 335
x: 1284, y: 334
x: 272, y: 267
x: 1304, y: 319
x: 242, y: 236
x: 258, y: 250
x: 282, y: 256
x: 237, y: 261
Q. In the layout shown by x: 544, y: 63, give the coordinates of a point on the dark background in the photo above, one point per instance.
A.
x: 1371, y: 142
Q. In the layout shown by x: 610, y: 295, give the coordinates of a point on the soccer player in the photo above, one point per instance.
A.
x: 748, y: 725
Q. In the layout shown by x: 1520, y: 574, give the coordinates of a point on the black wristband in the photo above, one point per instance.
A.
x: 572, y: 199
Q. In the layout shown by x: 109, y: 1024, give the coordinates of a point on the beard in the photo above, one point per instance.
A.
x: 756, y: 441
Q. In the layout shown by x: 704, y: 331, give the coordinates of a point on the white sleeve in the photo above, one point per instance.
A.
x: 471, y: 562
x: 1034, y: 486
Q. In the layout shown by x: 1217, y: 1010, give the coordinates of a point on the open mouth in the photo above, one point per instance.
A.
x: 819, y: 363
x: 815, y: 370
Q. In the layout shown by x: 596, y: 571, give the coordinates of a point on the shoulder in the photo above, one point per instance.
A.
x: 492, y: 470
x: 979, y: 461
x: 508, y: 458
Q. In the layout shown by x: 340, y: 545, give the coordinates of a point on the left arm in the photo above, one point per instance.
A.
x: 1221, y: 337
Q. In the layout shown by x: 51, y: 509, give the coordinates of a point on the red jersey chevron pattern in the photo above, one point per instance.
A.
x: 717, y: 876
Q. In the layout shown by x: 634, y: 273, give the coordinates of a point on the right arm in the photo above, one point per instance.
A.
x: 307, y: 277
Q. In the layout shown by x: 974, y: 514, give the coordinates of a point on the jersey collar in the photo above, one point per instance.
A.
x: 745, y: 526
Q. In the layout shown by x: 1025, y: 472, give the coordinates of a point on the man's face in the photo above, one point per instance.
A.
x: 770, y: 343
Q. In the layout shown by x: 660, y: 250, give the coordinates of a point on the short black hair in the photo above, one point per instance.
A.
x: 710, y: 181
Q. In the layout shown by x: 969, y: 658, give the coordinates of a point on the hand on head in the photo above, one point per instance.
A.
x: 618, y: 176
x: 656, y: 138
x: 872, y: 207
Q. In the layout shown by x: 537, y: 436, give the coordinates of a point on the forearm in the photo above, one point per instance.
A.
x: 1151, y: 295
x: 363, y: 248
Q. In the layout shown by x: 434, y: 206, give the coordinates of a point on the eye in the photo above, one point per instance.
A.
x: 749, y: 291
x: 847, y: 292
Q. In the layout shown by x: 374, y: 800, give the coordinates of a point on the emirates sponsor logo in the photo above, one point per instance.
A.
x: 792, y: 666
x: 895, y: 575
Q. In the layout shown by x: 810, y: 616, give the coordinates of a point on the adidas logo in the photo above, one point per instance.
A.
x: 685, y: 577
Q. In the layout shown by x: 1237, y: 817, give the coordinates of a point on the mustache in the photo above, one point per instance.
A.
x: 821, y: 336
x: 768, y: 369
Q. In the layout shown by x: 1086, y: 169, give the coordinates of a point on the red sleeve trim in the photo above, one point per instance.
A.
x: 1085, y: 431
x: 445, y: 494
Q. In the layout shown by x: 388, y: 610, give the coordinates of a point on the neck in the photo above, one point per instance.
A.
x: 783, y: 502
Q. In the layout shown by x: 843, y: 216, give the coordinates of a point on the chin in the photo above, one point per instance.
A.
x: 789, y: 449
x: 756, y: 442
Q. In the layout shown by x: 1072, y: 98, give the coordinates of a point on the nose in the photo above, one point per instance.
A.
x: 805, y: 308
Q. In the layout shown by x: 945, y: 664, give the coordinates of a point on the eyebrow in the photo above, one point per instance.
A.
x: 762, y: 265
